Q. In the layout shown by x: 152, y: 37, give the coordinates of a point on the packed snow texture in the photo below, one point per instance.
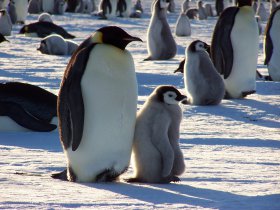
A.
x: 231, y: 151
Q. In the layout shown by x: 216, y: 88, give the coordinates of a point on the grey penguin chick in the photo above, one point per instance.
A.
x: 161, y: 44
x: 56, y: 45
x: 203, y: 84
x: 157, y: 157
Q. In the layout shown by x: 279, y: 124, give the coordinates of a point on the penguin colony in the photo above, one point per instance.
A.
x: 94, y: 153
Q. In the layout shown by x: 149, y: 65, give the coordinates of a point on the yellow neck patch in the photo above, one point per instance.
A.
x: 97, y: 37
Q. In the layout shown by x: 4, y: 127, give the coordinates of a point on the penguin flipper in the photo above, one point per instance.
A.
x: 221, y: 47
x: 70, y: 100
x: 23, y: 118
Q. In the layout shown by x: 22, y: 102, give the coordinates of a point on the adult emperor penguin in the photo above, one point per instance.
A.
x: 183, y: 26
x: 107, y: 8
x: 25, y: 107
x: 48, y: 6
x: 161, y: 44
x: 234, y: 49
x: 272, y: 45
x: 5, y: 23
x: 203, y: 84
x: 99, y: 79
x: 157, y: 157
x: 21, y: 7
x: 35, y: 7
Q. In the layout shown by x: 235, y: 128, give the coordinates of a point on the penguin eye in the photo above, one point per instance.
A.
x: 170, y: 95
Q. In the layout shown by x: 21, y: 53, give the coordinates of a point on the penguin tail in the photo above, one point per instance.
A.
x: 61, y: 175
x: 148, y: 59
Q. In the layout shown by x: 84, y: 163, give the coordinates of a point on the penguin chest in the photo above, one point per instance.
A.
x: 245, y: 43
x: 21, y: 9
x: 109, y: 91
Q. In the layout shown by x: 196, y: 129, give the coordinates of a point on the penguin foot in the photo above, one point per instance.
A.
x: 61, y: 175
x: 147, y: 59
x: 108, y: 175
x: 131, y: 180
x: 249, y: 92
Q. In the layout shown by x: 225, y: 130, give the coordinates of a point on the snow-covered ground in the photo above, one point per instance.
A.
x: 232, y: 151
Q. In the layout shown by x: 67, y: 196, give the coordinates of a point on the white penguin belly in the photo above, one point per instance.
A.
x: 21, y: 9
x: 48, y: 6
x: 109, y: 90
x: 114, y: 9
x: 274, y: 62
x: 245, y: 43
x: 154, y: 37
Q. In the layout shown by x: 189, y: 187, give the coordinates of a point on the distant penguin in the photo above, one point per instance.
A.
x: 26, y: 107
x: 262, y: 13
x: 45, y: 17
x: 12, y: 12
x: 59, y: 7
x: 107, y: 8
x: 48, y: 6
x: 99, y: 79
x: 201, y: 11
x: 4, y: 4
x: 6, y: 24
x: 208, y: 10
x: 56, y: 45
x: 234, y: 49
x: 185, y: 5
x: 3, y: 39
x: 219, y: 5
x: 42, y: 29
x: 259, y: 24
x: 121, y: 7
x: 171, y: 6
x: 137, y: 10
x: 192, y: 13
x: 183, y: 26
x: 203, y: 84
x: 272, y: 45
x: 255, y: 6
x: 157, y: 157
x: 72, y: 5
x: 161, y: 44
x: 85, y: 6
x: 35, y: 7
x: 21, y: 7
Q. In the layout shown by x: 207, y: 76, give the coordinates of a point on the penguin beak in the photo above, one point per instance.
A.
x: 181, y: 98
x: 132, y: 38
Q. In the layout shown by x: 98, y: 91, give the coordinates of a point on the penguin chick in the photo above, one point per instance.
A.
x: 203, y: 84
x: 157, y: 156
x: 45, y: 17
x: 56, y: 45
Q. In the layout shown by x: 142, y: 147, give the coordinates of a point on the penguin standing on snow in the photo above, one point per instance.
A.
x: 272, y: 45
x: 203, y: 84
x: 21, y: 7
x: 183, y: 26
x: 234, y: 49
x: 99, y: 79
x: 5, y: 23
x: 107, y: 9
x: 157, y: 157
x: 161, y: 44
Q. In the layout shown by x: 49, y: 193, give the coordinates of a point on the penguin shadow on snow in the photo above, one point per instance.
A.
x: 157, y: 194
x: 236, y: 110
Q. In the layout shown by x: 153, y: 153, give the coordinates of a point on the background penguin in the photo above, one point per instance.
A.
x: 4, y: 4
x: 183, y: 26
x: 26, y: 107
x: 192, y: 13
x: 12, y: 11
x: 48, y: 6
x: 3, y: 39
x: 203, y: 84
x: 55, y: 45
x: 208, y: 10
x: 272, y: 45
x: 45, y: 17
x: 234, y: 49
x: 262, y: 13
x: 157, y: 157
x: 5, y: 23
x: 94, y: 86
x: 72, y: 5
x: 161, y: 44
x: 219, y: 5
x: 171, y: 6
x: 107, y: 8
x: 21, y: 7
x: 121, y: 7
x: 201, y: 11
x: 185, y: 5
x: 137, y: 10
x: 35, y: 7
x: 59, y: 7
x: 42, y: 29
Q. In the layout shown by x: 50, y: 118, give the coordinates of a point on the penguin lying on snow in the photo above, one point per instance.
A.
x: 26, y: 107
x: 55, y: 45
x: 234, y: 49
x: 42, y: 29
x: 272, y: 45
x: 99, y: 79
x: 203, y: 84
x: 157, y: 157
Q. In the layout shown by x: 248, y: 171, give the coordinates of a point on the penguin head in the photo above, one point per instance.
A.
x: 198, y: 45
x: 115, y: 36
x: 169, y: 95
x: 241, y: 3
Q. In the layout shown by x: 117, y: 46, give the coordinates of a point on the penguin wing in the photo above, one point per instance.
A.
x: 221, y: 47
x: 70, y: 100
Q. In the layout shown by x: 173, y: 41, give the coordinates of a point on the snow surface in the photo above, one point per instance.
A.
x: 231, y: 151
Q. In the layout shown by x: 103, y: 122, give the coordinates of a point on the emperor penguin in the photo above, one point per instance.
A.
x: 183, y: 26
x: 48, y: 6
x: 185, y: 6
x: 26, y: 107
x: 161, y: 44
x: 99, y: 79
x: 56, y: 45
x: 43, y: 28
x: 208, y: 10
x: 45, y: 17
x: 12, y: 11
x: 219, y: 5
x: 21, y: 7
x: 203, y: 84
x: 72, y: 5
x: 107, y: 9
x: 272, y: 45
x: 156, y: 154
x: 59, y: 7
x: 234, y: 49
x: 261, y: 12
x: 35, y: 7
x: 171, y: 6
x: 6, y: 24
x: 201, y: 11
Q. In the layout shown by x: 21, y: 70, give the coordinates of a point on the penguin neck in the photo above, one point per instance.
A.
x: 97, y: 37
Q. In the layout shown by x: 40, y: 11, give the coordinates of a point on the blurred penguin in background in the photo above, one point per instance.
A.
x: 35, y: 7
x: 5, y: 23
x: 201, y: 11
x: 219, y: 5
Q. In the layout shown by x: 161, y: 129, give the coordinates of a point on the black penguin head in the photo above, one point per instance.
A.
x: 198, y: 45
x: 169, y: 95
x: 116, y: 36
x: 241, y: 3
